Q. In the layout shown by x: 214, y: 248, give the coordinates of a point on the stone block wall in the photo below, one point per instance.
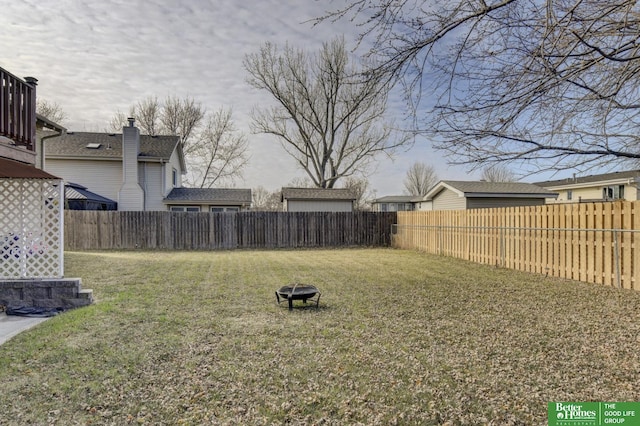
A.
x: 64, y: 293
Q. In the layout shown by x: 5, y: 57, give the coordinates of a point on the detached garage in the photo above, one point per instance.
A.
x: 317, y: 200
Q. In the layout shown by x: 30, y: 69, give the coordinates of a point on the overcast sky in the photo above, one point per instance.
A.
x: 97, y: 57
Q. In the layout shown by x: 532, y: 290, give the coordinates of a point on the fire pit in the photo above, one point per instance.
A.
x: 302, y: 292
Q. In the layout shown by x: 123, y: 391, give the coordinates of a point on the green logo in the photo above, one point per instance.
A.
x: 594, y: 413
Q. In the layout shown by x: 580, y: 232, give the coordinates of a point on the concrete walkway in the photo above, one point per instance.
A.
x: 11, y: 325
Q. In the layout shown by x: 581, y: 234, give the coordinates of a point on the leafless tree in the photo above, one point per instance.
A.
x: 219, y: 156
x: 360, y: 186
x: 265, y: 200
x: 214, y: 150
x: 329, y: 120
x: 174, y: 116
x: 548, y: 85
x: 51, y: 111
x: 420, y: 179
x: 498, y: 173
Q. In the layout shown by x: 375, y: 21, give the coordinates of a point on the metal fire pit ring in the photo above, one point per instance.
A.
x: 302, y: 292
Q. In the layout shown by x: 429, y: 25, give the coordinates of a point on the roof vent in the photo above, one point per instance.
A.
x: 94, y: 145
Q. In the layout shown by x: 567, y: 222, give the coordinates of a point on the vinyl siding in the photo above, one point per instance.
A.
x: 102, y: 177
x: 319, y: 206
x: 592, y: 193
x: 449, y: 200
x: 151, y: 181
x: 174, y: 163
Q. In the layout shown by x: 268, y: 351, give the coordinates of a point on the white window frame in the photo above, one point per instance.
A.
x: 189, y: 209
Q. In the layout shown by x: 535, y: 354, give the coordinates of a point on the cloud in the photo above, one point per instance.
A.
x: 95, y: 58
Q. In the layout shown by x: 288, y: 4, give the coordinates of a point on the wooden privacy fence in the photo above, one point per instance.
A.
x: 100, y: 230
x: 590, y: 242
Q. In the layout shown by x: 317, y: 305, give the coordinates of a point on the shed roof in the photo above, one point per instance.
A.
x: 11, y: 169
x: 476, y: 189
x: 73, y: 191
x: 397, y: 199
x: 108, y: 145
x: 317, y: 194
x: 209, y: 195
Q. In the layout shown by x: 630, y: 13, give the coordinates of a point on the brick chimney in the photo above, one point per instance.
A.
x: 131, y: 195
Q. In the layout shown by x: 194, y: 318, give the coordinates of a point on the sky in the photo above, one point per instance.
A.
x: 97, y: 57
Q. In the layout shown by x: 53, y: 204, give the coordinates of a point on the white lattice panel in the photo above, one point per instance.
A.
x: 31, y: 228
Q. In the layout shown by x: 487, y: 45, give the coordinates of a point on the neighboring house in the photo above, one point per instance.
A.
x: 317, y: 200
x: 214, y: 200
x: 395, y: 203
x: 139, y: 172
x: 462, y: 195
x: 136, y: 171
x: 604, y: 187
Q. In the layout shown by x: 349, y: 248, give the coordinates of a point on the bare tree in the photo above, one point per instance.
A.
x: 330, y: 121
x: 548, y: 85
x: 219, y: 156
x: 182, y: 117
x: 420, y: 179
x: 360, y: 187
x: 175, y: 116
x: 50, y: 110
x: 215, y: 151
x: 265, y: 200
x: 498, y: 173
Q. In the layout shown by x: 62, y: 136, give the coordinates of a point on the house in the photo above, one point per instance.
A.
x: 139, y: 172
x: 32, y: 207
x: 216, y: 200
x: 462, y: 195
x: 136, y: 171
x: 400, y: 203
x: 623, y: 185
x: 317, y: 200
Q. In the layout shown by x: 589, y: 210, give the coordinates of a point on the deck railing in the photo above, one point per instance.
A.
x: 18, y: 109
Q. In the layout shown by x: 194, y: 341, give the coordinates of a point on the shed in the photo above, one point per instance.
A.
x: 318, y: 199
x: 462, y: 195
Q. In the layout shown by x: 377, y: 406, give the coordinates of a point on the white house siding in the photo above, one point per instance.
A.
x: 319, y: 206
x: 151, y: 182
x: 590, y: 194
x: 104, y: 177
x: 174, y: 164
x: 449, y: 200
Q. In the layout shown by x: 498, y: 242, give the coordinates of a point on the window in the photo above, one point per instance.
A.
x: 184, y: 209
x: 224, y: 209
x: 615, y: 192
x: 174, y: 178
x: 569, y: 194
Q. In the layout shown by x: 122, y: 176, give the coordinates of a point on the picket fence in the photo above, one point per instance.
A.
x: 590, y: 242
x: 105, y: 230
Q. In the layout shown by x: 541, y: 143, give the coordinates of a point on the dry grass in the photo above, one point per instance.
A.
x: 400, y: 338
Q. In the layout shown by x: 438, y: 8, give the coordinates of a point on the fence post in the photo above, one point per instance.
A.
x: 502, y: 247
x: 616, y: 256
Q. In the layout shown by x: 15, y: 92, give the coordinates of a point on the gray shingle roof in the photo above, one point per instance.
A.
x: 492, y: 189
x: 397, y: 199
x: 209, y: 195
x: 317, y: 194
x: 592, y: 178
x: 110, y: 145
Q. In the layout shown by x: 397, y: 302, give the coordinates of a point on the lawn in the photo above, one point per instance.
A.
x: 400, y: 338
